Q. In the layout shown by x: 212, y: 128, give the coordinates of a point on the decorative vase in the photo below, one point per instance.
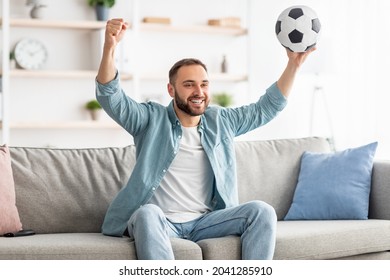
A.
x: 102, y: 12
x: 95, y: 114
x: 38, y: 11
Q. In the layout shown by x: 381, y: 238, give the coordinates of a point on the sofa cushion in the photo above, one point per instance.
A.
x: 331, y: 239
x: 68, y: 190
x: 84, y: 246
x: 312, y: 240
x: 268, y: 170
x: 9, y: 215
x: 221, y: 248
x: 334, y: 185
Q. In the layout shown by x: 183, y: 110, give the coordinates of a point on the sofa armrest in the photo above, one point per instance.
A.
x: 380, y: 191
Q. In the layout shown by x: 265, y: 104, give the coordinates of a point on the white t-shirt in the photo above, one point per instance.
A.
x: 186, y: 189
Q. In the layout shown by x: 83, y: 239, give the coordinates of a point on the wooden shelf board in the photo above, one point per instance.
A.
x: 97, y: 25
x: 19, y: 73
x: 226, y: 77
x: 219, y: 77
x: 66, y: 24
x: 151, y: 27
x: 70, y: 74
x: 64, y: 125
x: 88, y: 74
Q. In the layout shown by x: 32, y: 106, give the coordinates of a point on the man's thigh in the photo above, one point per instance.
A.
x: 224, y: 222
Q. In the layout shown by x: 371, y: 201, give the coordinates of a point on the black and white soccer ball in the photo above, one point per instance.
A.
x: 298, y: 28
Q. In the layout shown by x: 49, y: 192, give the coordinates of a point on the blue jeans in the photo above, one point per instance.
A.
x: 254, y: 222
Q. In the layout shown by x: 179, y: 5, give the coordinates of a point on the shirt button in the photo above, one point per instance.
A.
x: 153, y: 189
x: 179, y: 137
x: 164, y: 171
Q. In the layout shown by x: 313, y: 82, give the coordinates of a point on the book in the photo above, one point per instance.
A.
x: 161, y: 20
x: 225, y: 22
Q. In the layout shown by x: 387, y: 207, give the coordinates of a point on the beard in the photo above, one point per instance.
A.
x: 184, y: 105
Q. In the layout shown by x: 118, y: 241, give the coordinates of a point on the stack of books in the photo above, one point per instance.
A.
x: 225, y: 22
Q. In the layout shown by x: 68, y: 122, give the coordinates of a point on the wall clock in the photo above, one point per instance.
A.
x: 30, y: 54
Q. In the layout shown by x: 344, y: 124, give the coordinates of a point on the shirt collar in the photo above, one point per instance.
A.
x: 172, y: 115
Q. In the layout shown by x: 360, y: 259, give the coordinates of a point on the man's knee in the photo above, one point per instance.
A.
x: 146, y: 219
x: 148, y: 212
x: 262, y: 210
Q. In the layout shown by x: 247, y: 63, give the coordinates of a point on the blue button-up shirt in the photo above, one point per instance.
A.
x: 157, y: 132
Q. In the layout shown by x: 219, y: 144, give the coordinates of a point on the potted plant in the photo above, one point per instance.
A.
x: 102, y: 8
x: 94, y: 107
x: 222, y: 99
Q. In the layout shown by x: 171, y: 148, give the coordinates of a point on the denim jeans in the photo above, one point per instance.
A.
x: 254, y: 222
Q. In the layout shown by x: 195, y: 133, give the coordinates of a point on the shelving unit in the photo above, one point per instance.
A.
x: 56, y: 24
x: 8, y: 23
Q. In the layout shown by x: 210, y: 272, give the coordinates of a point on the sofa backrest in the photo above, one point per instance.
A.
x: 268, y: 170
x: 380, y: 191
x: 69, y: 190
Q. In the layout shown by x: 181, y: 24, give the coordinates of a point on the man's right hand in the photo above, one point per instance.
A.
x: 115, y: 30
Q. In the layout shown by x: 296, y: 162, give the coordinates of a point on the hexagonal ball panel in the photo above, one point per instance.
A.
x: 295, y: 36
x: 295, y: 13
x: 316, y: 25
x: 278, y: 27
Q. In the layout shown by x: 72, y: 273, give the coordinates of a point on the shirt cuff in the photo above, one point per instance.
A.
x: 108, y: 88
x: 276, y: 95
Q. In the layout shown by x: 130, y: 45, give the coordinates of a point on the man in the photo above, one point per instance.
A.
x: 184, y: 181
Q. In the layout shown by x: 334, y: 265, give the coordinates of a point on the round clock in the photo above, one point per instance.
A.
x: 30, y: 54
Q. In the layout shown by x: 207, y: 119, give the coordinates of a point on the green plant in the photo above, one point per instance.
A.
x: 12, y: 55
x: 107, y: 3
x: 93, y: 105
x: 223, y: 99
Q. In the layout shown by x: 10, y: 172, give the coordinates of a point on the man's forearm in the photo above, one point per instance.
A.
x: 295, y: 60
x: 287, y: 78
x: 107, y: 69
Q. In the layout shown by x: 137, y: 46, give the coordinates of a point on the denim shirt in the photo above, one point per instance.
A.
x: 157, y: 132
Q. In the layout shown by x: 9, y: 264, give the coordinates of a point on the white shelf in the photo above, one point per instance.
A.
x: 39, y: 23
x: 222, y: 77
x: 64, y: 125
x: 99, y: 25
x: 54, y: 74
x: 218, y: 77
x: 89, y: 74
x: 234, y: 31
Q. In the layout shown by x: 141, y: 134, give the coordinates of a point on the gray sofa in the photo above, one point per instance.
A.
x: 63, y: 195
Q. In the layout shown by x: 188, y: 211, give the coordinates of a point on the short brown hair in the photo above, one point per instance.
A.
x: 184, y: 62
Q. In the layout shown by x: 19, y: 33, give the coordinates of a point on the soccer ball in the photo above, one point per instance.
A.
x: 298, y: 28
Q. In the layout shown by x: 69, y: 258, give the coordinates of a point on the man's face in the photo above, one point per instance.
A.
x: 191, y: 90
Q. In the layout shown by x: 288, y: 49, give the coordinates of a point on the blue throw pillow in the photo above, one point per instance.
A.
x: 334, y: 186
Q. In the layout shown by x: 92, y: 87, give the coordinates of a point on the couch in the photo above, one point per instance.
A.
x: 63, y: 194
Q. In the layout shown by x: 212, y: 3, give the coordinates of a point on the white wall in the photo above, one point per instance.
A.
x: 351, y: 59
